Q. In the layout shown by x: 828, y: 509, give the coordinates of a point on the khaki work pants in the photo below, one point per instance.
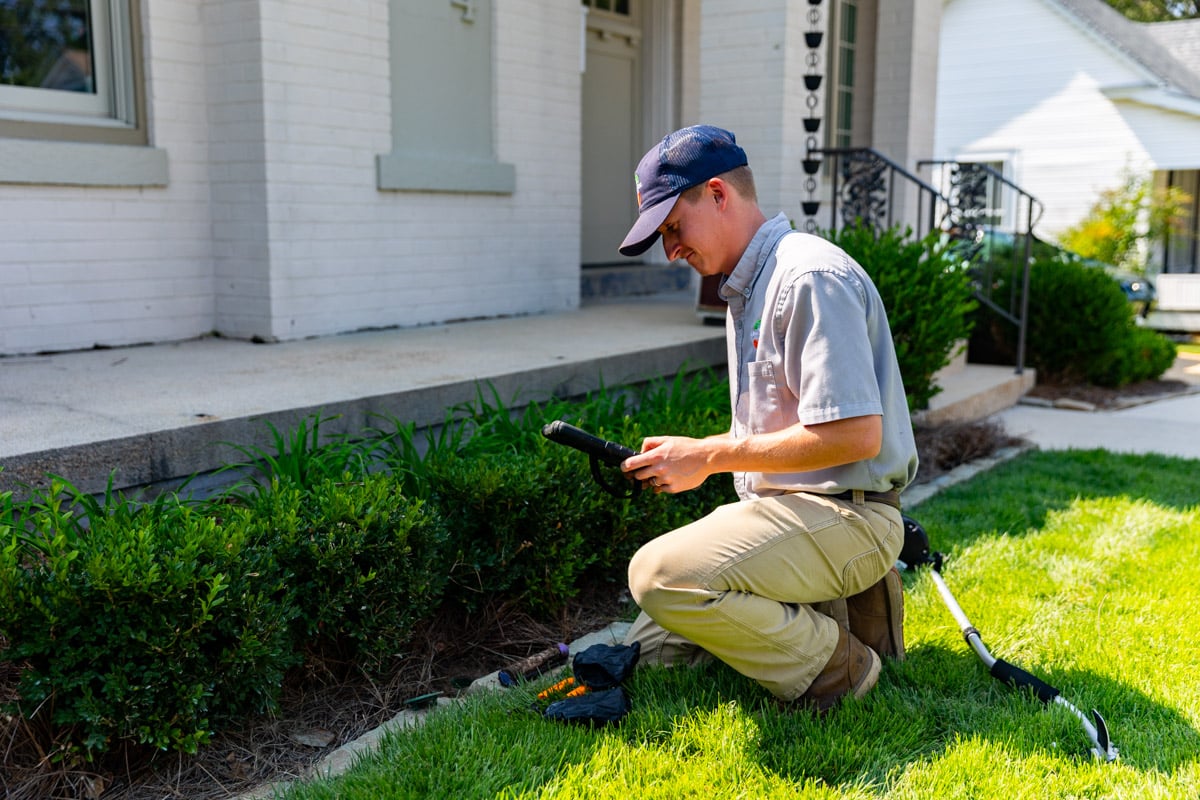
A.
x: 739, y: 584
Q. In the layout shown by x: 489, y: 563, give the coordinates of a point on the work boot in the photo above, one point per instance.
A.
x: 877, y: 616
x: 836, y: 609
x: 852, y: 669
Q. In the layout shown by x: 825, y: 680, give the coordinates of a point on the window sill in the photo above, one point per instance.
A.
x: 81, y: 164
x: 416, y: 174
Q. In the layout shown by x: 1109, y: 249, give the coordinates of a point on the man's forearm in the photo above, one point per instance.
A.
x: 801, y: 448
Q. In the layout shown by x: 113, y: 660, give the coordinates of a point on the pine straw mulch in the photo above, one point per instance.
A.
x: 334, y: 703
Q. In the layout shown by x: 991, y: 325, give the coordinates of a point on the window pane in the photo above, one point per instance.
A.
x: 47, y: 44
x: 850, y: 23
x: 845, y: 111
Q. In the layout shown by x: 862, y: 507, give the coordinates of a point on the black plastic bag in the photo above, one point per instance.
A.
x: 594, y: 708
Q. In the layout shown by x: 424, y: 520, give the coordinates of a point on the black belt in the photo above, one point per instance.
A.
x: 891, y: 497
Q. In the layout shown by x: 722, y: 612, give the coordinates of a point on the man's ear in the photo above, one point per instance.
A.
x: 720, y: 192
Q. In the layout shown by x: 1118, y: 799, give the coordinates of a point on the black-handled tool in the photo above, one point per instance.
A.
x: 598, y: 450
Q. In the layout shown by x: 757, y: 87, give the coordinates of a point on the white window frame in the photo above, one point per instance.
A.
x: 52, y: 137
x: 111, y: 104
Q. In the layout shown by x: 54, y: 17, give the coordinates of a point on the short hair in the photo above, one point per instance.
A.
x: 740, y: 178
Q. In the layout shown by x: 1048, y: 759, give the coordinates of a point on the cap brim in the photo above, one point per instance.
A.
x: 645, y: 230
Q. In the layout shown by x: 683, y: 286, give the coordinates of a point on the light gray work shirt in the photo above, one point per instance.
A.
x: 809, y: 342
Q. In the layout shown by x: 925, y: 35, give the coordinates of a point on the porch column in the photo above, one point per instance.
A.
x: 906, y: 53
x: 752, y: 65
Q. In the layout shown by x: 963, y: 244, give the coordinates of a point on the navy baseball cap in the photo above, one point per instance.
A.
x: 680, y: 161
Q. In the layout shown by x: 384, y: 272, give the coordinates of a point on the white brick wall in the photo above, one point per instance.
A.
x: 344, y: 255
x: 83, y: 266
x: 272, y: 113
x: 751, y: 82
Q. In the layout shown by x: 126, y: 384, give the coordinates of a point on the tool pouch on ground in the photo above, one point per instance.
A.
x: 594, y: 708
x: 600, y: 668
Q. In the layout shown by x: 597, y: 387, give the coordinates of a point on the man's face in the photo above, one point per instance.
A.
x: 691, y: 232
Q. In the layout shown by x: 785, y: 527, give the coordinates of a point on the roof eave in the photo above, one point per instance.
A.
x: 1155, y: 97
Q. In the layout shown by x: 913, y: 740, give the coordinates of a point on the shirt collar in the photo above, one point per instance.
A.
x: 741, y: 280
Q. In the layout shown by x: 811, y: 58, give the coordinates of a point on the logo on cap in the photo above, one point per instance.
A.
x: 637, y: 188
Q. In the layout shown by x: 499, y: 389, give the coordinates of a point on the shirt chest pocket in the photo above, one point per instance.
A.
x: 765, y: 410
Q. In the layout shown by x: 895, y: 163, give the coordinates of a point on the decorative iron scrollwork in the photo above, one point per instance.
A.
x: 864, y: 189
x: 968, y: 193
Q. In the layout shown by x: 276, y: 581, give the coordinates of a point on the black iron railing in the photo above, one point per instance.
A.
x: 867, y: 186
x: 987, y: 219
x: 991, y: 220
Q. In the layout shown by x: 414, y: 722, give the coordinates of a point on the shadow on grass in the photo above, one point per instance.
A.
x: 1016, y: 496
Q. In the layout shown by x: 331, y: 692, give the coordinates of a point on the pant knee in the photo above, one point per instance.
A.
x: 649, y: 578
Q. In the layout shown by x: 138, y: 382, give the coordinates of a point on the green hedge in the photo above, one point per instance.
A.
x: 154, y: 624
x: 360, y: 563
x: 1081, y: 328
x: 151, y: 624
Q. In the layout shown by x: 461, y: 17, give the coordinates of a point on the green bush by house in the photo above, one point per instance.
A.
x: 1081, y: 328
x: 152, y: 624
x: 155, y: 624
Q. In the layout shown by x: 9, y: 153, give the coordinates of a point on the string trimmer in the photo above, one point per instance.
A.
x: 916, y: 554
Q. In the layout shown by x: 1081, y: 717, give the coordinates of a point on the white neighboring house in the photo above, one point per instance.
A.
x: 1062, y: 96
x: 279, y: 169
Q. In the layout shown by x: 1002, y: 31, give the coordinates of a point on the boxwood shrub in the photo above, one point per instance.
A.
x: 360, y: 563
x: 143, y: 623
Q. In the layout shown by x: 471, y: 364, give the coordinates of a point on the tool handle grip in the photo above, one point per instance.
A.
x: 1018, y: 678
x: 609, y: 452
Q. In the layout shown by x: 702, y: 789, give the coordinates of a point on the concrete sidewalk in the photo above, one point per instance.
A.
x: 1168, y: 426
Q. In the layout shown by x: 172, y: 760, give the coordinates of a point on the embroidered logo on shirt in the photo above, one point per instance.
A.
x: 754, y: 341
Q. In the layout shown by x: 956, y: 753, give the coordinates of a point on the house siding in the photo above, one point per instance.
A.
x: 1024, y: 82
x: 271, y: 225
x: 752, y: 78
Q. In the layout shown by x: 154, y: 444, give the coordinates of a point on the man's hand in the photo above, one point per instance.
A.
x: 671, y: 464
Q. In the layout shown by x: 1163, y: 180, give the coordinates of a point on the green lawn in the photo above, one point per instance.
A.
x: 1082, y: 567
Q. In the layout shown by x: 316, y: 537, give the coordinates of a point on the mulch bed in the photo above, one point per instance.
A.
x: 1108, y: 399
x: 333, y: 702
